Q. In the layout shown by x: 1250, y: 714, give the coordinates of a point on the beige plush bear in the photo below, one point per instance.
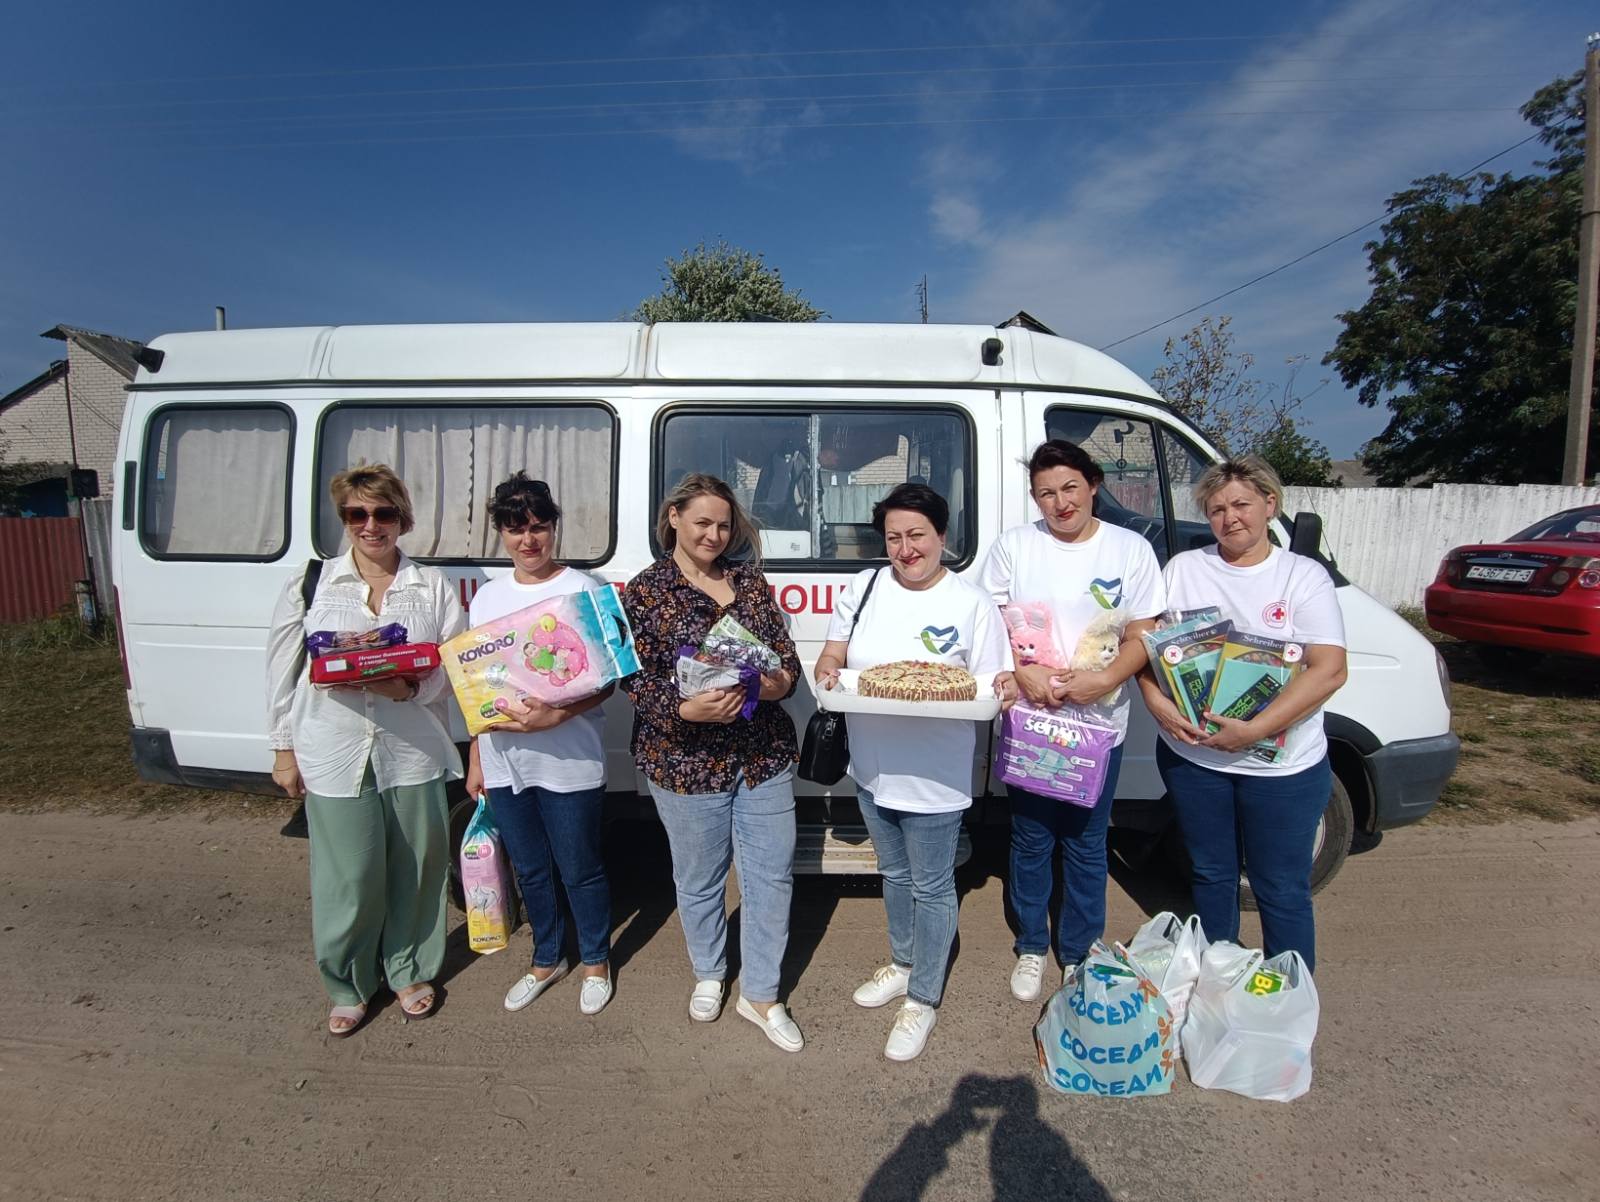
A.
x: 1098, y: 648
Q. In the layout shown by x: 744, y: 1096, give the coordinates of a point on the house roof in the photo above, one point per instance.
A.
x: 54, y: 372
x: 116, y: 353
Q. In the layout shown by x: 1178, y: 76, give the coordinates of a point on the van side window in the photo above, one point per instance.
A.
x: 811, y: 478
x: 452, y: 456
x: 216, y: 482
x: 1184, y: 467
x: 1125, y: 449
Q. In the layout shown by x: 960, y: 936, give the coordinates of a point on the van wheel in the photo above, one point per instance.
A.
x: 461, y: 811
x: 1331, y: 846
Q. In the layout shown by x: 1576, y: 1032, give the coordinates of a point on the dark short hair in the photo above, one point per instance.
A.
x: 520, y: 501
x: 916, y: 497
x: 1058, y: 452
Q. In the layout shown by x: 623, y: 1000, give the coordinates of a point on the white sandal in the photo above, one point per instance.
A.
x: 354, y: 1013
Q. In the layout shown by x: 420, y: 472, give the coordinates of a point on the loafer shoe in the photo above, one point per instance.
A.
x: 1027, y: 978
x: 887, y: 983
x: 909, y: 1035
x: 596, y: 992
x: 705, y: 1003
x: 777, y: 1025
x: 529, y: 987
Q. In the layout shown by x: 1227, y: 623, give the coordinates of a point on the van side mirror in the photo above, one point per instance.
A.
x: 1306, y: 536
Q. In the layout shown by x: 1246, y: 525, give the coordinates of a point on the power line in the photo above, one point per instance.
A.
x: 381, y: 117
x: 1300, y: 258
x: 666, y: 82
x: 824, y: 125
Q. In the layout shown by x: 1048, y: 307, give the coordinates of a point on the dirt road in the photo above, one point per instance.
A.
x: 162, y: 1038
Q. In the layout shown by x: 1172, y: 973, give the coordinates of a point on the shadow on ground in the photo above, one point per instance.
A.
x: 1028, y: 1159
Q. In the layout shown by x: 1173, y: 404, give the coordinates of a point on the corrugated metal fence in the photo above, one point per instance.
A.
x: 40, y: 559
x: 1390, y: 540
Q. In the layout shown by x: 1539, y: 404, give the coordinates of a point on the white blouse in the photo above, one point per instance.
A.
x: 335, y: 731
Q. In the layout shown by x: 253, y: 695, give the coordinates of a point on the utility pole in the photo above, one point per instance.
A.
x: 1578, y: 396
x: 922, y: 299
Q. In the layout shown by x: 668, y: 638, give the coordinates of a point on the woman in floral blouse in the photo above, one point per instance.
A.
x: 723, y: 784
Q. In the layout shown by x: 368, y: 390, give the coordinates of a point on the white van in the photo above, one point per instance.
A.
x: 230, y: 438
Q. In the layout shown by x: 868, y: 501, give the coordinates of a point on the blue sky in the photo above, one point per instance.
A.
x: 1102, y: 166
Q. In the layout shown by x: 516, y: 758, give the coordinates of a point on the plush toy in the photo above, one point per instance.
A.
x: 1098, y: 648
x: 554, y: 648
x: 1028, y: 623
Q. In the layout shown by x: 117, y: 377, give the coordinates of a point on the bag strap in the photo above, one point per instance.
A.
x: 856, y: 617
x: 308, y: 591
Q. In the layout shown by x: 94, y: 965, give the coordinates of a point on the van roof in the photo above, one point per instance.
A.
x: 625, y: 352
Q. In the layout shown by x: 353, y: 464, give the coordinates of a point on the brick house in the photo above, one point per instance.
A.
x: 70, y: 414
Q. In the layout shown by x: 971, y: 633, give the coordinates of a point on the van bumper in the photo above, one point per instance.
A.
x: 155, y: 761
x: 1407, y: 777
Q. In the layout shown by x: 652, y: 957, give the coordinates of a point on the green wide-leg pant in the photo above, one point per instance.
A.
x: 380, y: 864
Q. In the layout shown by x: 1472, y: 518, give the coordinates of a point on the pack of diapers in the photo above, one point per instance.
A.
x: 559, y: 651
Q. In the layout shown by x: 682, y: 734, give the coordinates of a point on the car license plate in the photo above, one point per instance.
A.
x: 1480, y: 571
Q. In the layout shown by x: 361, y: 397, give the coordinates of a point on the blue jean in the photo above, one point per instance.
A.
x: 1040, y: 826
x: 917, y: 859
x: 1268, y: 822
x: 550, y: 834
x: 751, y: 827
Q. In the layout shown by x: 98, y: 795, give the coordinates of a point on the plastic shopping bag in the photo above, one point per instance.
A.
x: 486, y: 882
x: 1107, y: 1030
x: 1169, y: 950
x: 1251, y: 1023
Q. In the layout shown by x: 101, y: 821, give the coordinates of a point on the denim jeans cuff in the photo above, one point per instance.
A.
x: 922, y: 1001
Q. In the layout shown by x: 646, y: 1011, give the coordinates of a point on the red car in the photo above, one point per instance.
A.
x: 1539, y: 590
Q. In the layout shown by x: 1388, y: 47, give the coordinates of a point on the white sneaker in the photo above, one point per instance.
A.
x: 529, y: 987
x: 777, y: 1025
x: 909, y: 1035
x: 888, y: 983
x: 1027, y: 978
x: 595, y: 994
x: 705, y: 1003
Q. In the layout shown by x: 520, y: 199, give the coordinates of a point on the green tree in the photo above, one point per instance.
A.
x: 1467, y: 336
x: 1206, y: 380
x: 723, y: 283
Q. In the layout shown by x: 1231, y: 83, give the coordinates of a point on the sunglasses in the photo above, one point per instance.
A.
x: 355, y: 515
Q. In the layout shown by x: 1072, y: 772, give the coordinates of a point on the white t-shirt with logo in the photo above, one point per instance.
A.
x: 1112, y: 571
x: 1285, y: 596
x: 566, y: 758
x: 923, y: 765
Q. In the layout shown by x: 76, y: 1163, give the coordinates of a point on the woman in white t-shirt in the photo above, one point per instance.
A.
x: 544, y: 772
x: 913, y: 775
x: 1230, y: 802
x: 1072, y: 575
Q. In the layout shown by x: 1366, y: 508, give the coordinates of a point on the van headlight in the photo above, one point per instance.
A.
x: 1444, y: 677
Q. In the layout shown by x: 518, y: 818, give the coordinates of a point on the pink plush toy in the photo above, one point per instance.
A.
x: 1032, y: 642
x: 555, y: 649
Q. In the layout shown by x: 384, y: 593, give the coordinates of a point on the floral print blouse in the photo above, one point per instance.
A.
x: 667, y: 612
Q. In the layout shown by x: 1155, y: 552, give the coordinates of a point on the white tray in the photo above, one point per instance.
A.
x: 843, y: 699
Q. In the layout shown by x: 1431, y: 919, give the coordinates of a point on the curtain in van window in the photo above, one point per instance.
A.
x: 216, y: 483
x: 452, y: 458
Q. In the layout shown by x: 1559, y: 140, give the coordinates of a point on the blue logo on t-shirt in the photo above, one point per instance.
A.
x: 939, y: 639
x: 1107, y: 592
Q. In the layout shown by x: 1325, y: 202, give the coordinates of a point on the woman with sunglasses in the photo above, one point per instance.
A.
x: 545, y: 771
x: 370, y: 760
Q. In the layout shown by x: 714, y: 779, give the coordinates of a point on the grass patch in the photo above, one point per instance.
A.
x: 64, y: 730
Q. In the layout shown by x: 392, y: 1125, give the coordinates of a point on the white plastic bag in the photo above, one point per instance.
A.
x: 1251, y: 1024
x: 1169, y: 950
x: 1106, y: 1030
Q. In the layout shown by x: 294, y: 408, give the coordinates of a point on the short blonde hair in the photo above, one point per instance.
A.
x: 744, y: 538
x: 1245, y: 469
x: 377, y: 480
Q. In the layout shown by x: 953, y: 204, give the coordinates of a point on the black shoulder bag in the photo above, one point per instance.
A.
x: 825, y: 753
x: 297, y: 826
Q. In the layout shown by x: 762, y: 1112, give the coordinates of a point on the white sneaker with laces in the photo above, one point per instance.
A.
x: 776, y: 1025
x: 887, y: 983
x: 596, y: 992
x: 1027, y: 978
x: 529, y: 987
x: 705, y: 1003
x: 909, y: 1035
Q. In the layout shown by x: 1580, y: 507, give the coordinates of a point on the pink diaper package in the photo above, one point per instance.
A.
x: 559, y: 651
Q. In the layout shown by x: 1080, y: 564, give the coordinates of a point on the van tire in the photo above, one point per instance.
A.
x: 1333, y: 846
